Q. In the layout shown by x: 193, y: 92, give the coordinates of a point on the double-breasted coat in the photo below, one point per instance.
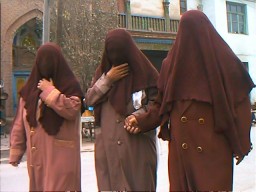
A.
x: 200, y: 159
x: 203, y: 93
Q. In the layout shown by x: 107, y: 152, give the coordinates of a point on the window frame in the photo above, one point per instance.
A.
x: 183, y: 9
x: 230, y: 20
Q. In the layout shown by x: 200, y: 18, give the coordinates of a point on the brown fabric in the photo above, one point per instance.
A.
x: 142, y: 74
x: 53, y: 162
x: 50, y: 64
x: 123, y: 161
x: 189, y: 169
x: 199, y: 158
x: 201, y: 66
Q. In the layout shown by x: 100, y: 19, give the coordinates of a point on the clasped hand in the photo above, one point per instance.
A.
x: 131, y: 125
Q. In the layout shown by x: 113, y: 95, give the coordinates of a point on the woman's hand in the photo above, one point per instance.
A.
x: 43, y: 84
x: 131, y: 125
x: 118, y: 72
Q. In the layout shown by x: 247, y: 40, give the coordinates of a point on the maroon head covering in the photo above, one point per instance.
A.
x: 49, y: 64
x: 201, y: 66
x: 120, y: 48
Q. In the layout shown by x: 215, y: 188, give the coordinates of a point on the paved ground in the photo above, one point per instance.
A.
x: 16, y: 179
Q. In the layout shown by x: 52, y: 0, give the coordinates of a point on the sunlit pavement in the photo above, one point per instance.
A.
x: 16, y: 179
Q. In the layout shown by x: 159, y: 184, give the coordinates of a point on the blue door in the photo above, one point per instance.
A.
x: 19, y: 79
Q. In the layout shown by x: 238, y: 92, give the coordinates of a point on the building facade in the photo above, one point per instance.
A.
x: 19, y: 29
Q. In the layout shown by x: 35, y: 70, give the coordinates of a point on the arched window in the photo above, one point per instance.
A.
x: 25, y: 43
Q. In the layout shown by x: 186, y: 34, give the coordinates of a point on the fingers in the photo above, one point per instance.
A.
x: 122, y: 66
x: 126, y: 122
x: 130, y: 121
x: 132, y: 129
x: 131, y: 125
x: 39, y: 84
x: 43, y: 83
x: 118, y: 72
x: 122, y: 70
x: 51, y: 81
x: 135, y: 130
x: 123, y: 73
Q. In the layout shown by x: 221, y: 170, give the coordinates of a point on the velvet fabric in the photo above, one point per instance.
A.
x: 202, y: 67
x: 51, y: 65
x: 120, y: 48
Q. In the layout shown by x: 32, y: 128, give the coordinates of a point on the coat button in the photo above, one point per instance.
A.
x: 119, y: 142
x: 183, y: 119
x: 201, y: 121
x: 184, y: 145
x: 33, y: 149
x: 199, y: 149
x: 118, y: 121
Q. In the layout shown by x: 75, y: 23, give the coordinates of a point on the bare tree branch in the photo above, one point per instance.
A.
x: 84, y: 24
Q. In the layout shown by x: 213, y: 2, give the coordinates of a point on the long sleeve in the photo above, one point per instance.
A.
x: 149, y: 119
x: 18, y: 136
x: 67, y: 107
x: 96, y: 93
x: 244, y: 125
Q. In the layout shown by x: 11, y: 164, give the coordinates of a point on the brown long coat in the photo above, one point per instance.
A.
x: 199, y: 158
x: 123, y: 161
x: 53, y: 162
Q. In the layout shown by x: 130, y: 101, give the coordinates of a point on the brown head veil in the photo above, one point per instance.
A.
x: 142, y: 73
x: 201, y: 66
x: 49, y: 64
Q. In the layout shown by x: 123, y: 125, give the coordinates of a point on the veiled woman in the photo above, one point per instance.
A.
x: 46, y: 125
x: 124, y: 83
x: 203, y: 106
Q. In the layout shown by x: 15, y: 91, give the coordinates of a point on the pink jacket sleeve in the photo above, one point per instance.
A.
x: 67, y: 107
x: 18, y: 136
x: 149, y: 119
x: 96, y: 93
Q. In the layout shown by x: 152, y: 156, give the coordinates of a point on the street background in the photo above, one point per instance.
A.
x: 14, y: 179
